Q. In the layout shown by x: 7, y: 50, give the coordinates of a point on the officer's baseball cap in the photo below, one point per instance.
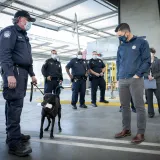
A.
x: 23, y: 13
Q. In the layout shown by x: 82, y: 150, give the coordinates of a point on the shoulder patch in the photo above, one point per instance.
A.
x: 7, y: 34
x: 134, y: 47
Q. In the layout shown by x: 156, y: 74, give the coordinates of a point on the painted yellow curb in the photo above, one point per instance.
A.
x: 114, y: 104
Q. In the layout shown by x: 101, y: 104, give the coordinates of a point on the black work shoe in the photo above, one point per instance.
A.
x: 120, y: 109
x: 134, y: 110
x: 24, y: 138
x: 94, y: 104
x: 104, y: 101
x: 150, y: 115
x: 20, y: 150
x: 74, y: 106
x: 83, y: 106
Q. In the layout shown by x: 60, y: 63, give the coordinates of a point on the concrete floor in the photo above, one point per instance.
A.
x: 87, y: 134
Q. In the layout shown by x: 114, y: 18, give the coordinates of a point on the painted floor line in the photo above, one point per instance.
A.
x: 103, y: 140
x: 96, y: 146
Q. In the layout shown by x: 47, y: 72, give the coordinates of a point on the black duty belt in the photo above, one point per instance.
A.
x: 76, y: 78
x: 55, y: 78
x: 21, y: 66
x: 79, y: 77
x: 94, y: 77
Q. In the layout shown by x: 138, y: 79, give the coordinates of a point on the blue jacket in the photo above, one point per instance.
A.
x: 133, y: 58
x: 15, y: 49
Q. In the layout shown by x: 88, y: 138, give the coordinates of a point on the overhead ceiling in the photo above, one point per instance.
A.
x: 55, y: 23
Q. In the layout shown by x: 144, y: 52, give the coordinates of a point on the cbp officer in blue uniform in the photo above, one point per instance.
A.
x: 52, y: 71
x: 16, y: 63
x: 133, y: 60
x: 78, y: 77
x: 97, y: 70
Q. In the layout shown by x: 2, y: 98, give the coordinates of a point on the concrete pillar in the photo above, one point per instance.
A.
x: 144, y: 19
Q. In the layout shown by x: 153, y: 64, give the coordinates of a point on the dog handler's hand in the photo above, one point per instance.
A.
x: 71, y: 76
x: 60, y: 82
x: 34, y: 80
x: 49, y: 78
x: 11, y: 82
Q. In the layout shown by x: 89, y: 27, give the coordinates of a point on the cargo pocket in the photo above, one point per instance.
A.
x: 20, y: 90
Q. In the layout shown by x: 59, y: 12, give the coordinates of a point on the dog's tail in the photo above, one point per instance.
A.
x: 58, y: 90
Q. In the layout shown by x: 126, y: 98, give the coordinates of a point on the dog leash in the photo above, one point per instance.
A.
x: 32, y: 86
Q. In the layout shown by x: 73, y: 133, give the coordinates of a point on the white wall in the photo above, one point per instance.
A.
x: 107, y: 47
x: 143, y: 18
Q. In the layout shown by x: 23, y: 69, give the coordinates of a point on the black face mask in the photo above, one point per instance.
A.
x: 123, y: 38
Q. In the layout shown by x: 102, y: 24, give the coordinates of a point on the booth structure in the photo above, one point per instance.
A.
x: 110, y: 75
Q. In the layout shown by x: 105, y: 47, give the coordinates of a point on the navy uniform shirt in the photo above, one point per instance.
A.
x: 78, y: 66
x: 15, y: 49
x: 52, y: 68
x: 96, y: 65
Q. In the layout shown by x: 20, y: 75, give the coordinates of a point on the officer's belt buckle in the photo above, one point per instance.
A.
x: 75, y: 80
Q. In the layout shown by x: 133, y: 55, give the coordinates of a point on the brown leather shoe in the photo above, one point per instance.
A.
x: 138, y: 139
x: 123, y: 134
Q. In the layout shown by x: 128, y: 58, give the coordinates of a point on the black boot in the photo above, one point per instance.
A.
x: 83, y: 106
x: 104, y: 101
x: 20, y: 150
x: 151, y: 115
x: 94, y: 104
x: 74, y: 106
x: 24, y: 138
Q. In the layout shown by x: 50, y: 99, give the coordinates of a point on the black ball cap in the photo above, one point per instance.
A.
x: 23, y: 13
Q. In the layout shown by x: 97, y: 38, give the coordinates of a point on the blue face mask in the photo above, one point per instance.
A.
x: 28, y: 25
x: 123, y: 39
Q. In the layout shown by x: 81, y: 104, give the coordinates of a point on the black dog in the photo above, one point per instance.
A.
x: 50, y: 108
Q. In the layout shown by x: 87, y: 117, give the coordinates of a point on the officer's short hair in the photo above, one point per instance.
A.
x: 79, y: 52
x: 15, y: 20
x: 53, y: 50
x: 94, y: 52
x: 123, y: 27
x: 152, y: 50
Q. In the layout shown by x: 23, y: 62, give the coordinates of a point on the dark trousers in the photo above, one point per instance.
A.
x: 14, y: 104
x: 94, y: 86
x: 146, y: 95
x: 132, y: 88
x: 78, y: 87
x: 50, y: 86
x: 150, y: 98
